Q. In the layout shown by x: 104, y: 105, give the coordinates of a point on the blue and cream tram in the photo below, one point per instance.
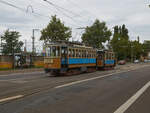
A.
x: 62, y: 58
x: 105, y: 59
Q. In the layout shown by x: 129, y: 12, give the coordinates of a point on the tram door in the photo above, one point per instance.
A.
x: 100, y: 59
x: 64, y: 57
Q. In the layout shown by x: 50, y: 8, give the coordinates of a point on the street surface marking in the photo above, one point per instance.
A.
x: 11, y: 98
x: 129, y: 102
x: 77, y: 82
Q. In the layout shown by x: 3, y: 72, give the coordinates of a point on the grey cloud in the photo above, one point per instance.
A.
x: 134, y: 13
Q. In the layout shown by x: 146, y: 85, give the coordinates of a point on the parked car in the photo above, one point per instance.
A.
x: 122, y: 62
x: 136, y: 61
x: 145, y: 60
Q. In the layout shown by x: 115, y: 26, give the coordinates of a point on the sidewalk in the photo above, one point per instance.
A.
x: 118, y: 67
x: 21, y: 71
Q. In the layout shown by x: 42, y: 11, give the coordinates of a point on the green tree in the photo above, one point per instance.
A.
x: 136, y: 49
x: 96, y: 34
x: 120, y: 42
x: 55, y: 31
x: 11, y: 43
x: 146, y: 47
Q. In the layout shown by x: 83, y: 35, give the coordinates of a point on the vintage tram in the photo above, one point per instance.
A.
x: 72, y: 58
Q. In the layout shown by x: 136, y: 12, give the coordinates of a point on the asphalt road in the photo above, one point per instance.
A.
x: 125, y: 90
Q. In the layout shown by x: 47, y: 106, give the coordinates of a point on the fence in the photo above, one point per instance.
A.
x: 6, y: 62
x: 20, y: 61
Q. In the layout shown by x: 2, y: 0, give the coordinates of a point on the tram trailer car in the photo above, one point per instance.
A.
x: 72, y: 59
x: 105, y: 59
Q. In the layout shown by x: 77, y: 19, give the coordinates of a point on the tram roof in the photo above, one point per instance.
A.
x: 69, y: 44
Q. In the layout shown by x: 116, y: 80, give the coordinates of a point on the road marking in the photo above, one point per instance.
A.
x: 77, y: 82
x: 94, y: 78
x: 11, y: 98
x: 129, y: 102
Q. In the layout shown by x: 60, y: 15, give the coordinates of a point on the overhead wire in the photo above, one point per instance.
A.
x: 82, y: 9
x: 66, y: 10
x: 76, y: 5
x: 57, y: 10
x: 62, y: 11
x: 21, y: 9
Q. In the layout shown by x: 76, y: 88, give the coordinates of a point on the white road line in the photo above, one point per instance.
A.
x: 77, y: 82
x: 11, y: 98
x: 129, y: 102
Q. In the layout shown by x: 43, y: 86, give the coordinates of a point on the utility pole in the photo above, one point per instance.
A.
x: 131, y: 53
x: 1, y: 45
x: 33, y: 40
x: 25, y: 48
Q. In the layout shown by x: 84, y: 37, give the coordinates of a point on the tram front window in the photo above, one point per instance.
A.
x: 53, y: 51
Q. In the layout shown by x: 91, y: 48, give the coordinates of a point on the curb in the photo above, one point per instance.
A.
x: 20, y: 71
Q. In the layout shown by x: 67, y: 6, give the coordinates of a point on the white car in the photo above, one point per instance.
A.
x: 145, y: 60
x: 136, y: 61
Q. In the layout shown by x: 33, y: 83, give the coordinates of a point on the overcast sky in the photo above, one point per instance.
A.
x: 135, y: 14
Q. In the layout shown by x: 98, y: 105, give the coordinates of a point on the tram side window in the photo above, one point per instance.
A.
x: 81, y: 53
x: 53, y: 52
x: 106, y: 56
x: 48, y: 51
x: 89, y: 54
x: 92, y: 54
x: 57, y: 51
x: 73, y: 53
x: 69, y: 53
x: 110, y: 55
x: 84, y: 53
x: 77, y: 54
